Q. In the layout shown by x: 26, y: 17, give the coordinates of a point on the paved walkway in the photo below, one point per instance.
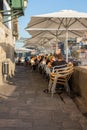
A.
x: 24, y: 105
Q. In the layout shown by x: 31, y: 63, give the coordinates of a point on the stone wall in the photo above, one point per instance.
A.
x: 79, y: 81
x: 79, y: 86
x: 2, y: 59
x: 6, y: 49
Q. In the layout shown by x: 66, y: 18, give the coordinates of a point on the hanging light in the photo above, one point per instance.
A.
x: 25, y: 3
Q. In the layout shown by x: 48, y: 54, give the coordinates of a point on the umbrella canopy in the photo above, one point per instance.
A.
x: 65, y: 20
x: 37, y: 42
x: 70, y: 19
x: 50, y: 37
x: 60, y: 35
x: 39, y: 37
x: 22, y: 50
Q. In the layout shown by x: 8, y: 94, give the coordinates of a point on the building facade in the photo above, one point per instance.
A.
x: 8, y: 36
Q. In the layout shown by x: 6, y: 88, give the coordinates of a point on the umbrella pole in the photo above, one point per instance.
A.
x: 50, y: 47
x: 56, y: 42
x: 66, y: 43
x: 56, y: 47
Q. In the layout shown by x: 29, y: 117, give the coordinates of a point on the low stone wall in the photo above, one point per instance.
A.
x: 79, y: 86
x: 79, y: 81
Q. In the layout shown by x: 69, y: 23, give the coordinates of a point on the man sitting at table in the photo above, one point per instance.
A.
x: 58, y: 60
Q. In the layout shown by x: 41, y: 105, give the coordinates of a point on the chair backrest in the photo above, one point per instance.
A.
x: 55, y: 68
x: 63, y: 73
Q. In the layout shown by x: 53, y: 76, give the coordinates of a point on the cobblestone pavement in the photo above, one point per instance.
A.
x: 24, y: 105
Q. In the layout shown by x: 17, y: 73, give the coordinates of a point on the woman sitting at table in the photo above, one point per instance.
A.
x: 52, y: 59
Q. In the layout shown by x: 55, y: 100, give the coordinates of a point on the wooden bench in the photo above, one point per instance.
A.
x: 61, y: 75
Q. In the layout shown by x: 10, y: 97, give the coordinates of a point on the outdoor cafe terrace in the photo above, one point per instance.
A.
x: 24, y: 105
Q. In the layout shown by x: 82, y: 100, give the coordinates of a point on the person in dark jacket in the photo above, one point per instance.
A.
x: 59, y: 61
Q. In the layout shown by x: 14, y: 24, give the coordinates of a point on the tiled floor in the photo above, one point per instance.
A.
x: 24, y: 105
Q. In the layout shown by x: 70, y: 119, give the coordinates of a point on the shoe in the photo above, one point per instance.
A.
x: 46, y: 91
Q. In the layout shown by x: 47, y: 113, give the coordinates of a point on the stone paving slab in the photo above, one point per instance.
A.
x: 27, y: 107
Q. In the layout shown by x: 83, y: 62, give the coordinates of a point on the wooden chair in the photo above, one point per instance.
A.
x: 61, y: 75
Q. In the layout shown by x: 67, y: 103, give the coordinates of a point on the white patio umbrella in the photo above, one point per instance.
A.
x: 67, y: 20
x: 37, y: 42
x: 23, y: 49
x: 70, y: 19
x: 51, y: 36
x: 39, y: 38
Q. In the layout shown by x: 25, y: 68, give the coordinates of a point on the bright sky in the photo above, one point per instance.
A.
x: 36, y: 7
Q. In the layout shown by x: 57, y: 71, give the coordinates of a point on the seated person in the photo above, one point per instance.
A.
x: 52, y: 59
x: 26, y: 60
x: 59, y: 61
